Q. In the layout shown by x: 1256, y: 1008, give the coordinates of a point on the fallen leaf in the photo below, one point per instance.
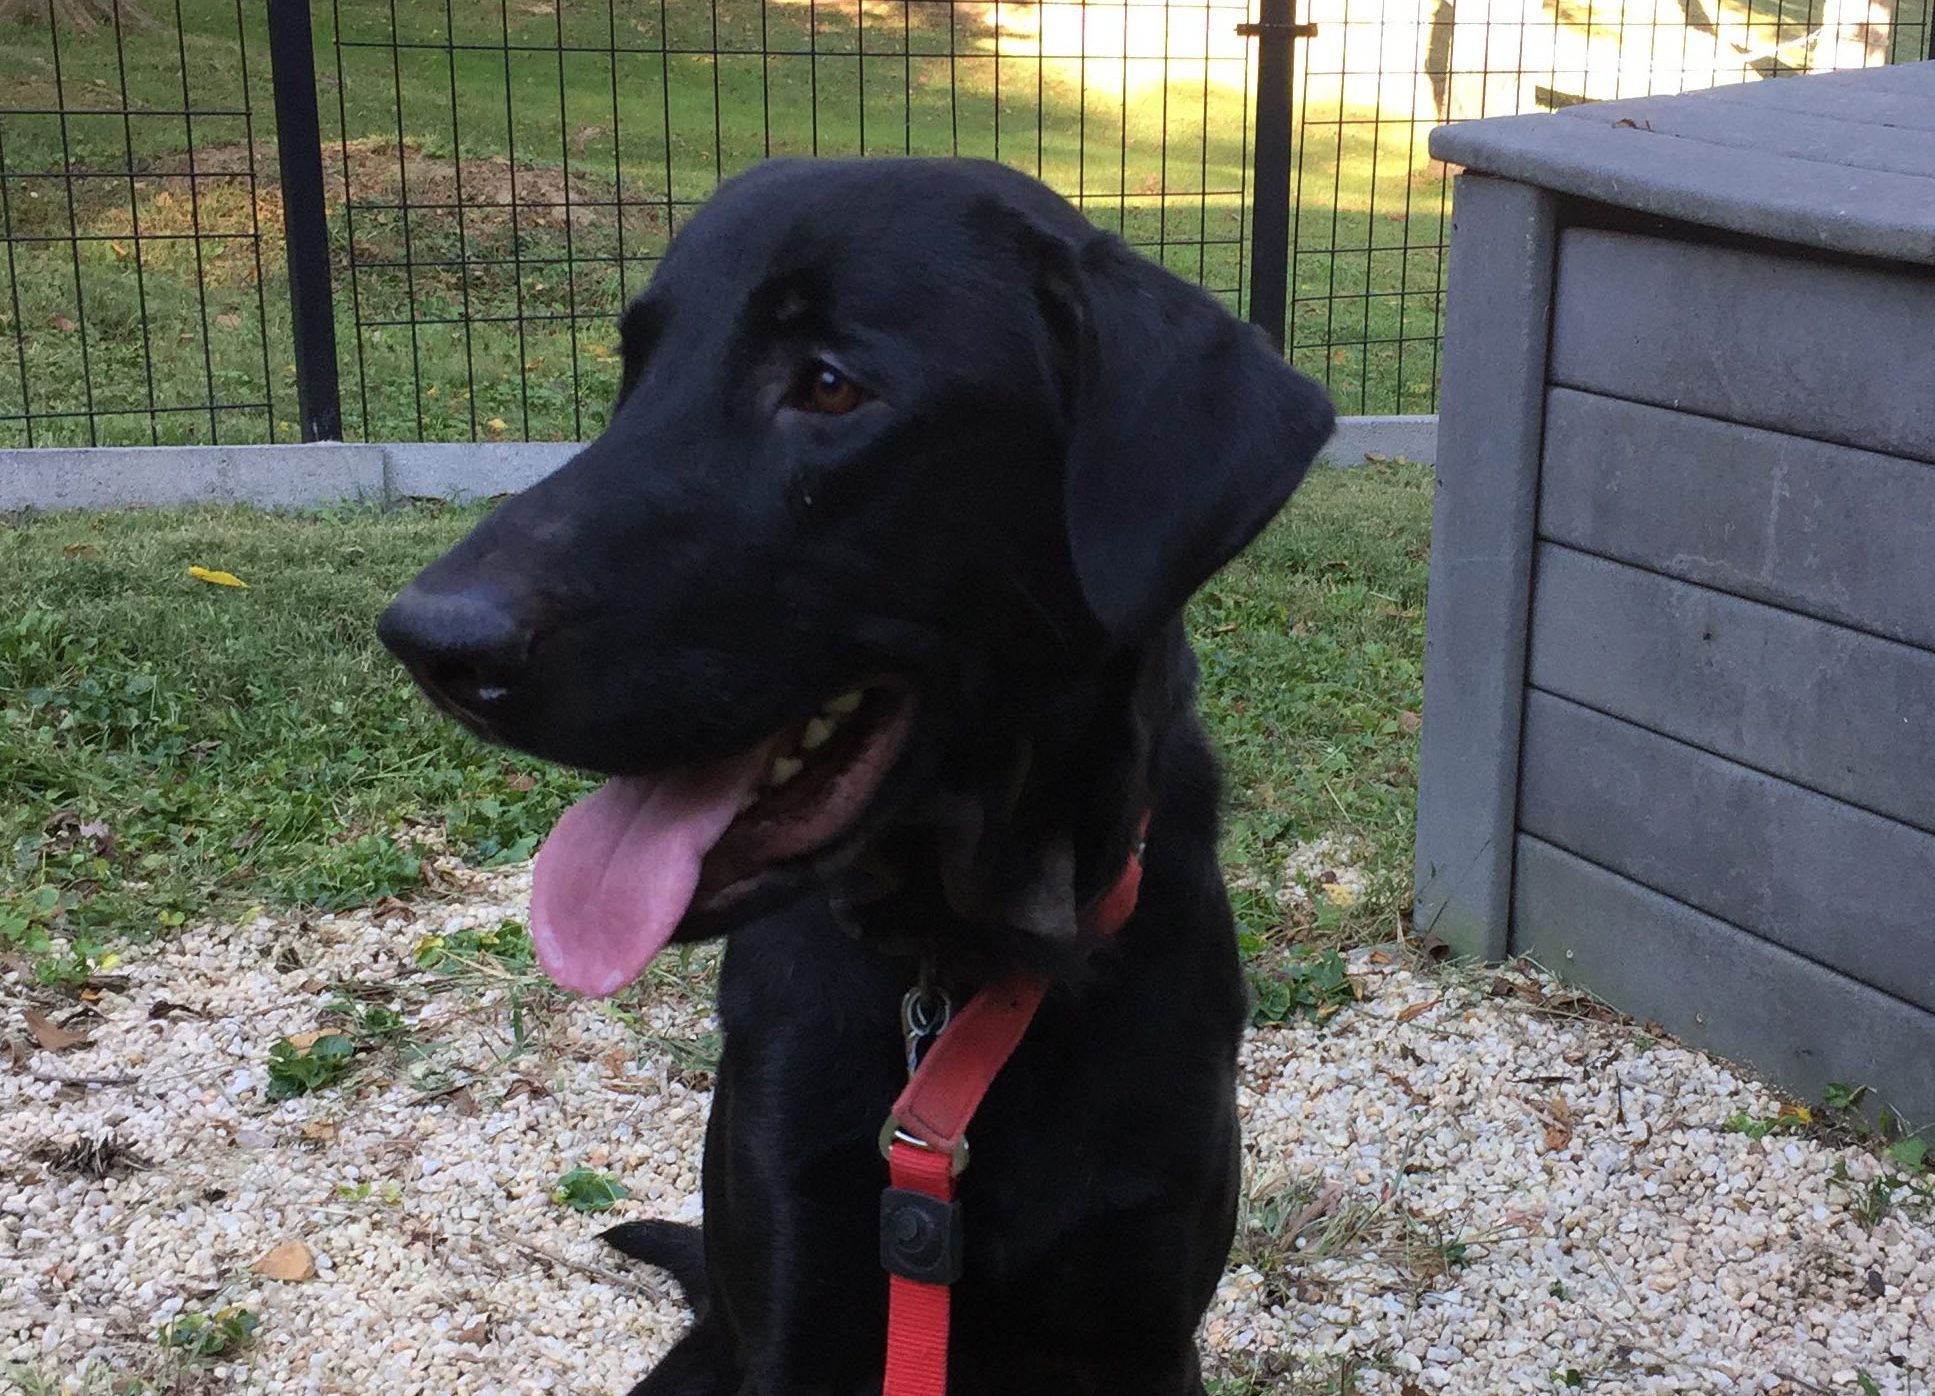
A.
x: 81, y: 550
x: 63, y: 324
x: 523, y: 1085
x: 1501, y: 988
x: 50, y: 1035
x: 1559, y: 1110
x: 1416, y: 1010
x: 475, y: 1334
x: 1379, y: 957
x: 162, y: 1008
x: 303, y: 1041
x: 1557, y: 1137
x: 117, y: 249
x: 319, y: 1132
x: 464, y: 1103
x: 498, y: 425
x: 1403, y: 1083
x: 1410, y: 721
x: 228, y: 319
x: 289, y: 1261
x: 220, y: 579
x: 523, y: 780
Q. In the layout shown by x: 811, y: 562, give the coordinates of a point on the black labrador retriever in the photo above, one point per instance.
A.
x: 868, y: 601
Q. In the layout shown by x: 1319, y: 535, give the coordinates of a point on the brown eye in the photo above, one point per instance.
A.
x: 828, y: 391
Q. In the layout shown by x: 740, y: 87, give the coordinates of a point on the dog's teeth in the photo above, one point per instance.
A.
x: 817, y: 731
x: 784, y: 770
x: 845, y: 704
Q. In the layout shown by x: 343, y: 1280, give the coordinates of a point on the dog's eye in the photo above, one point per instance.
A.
x: 827, y: 391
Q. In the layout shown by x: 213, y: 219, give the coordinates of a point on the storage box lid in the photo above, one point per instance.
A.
x: 1843, y: 161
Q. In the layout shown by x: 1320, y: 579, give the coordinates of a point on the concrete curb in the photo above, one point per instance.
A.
x: 287, y: 477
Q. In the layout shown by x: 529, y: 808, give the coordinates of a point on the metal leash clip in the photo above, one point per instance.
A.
x: 924, y: 1013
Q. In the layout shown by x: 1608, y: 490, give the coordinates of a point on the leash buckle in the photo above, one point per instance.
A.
x: 920, y: 1237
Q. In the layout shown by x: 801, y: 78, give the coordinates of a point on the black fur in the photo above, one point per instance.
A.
x: 1062, y: 442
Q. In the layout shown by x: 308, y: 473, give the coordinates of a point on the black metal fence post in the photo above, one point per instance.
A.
x: 305, y: 227
x: 1276, y: 28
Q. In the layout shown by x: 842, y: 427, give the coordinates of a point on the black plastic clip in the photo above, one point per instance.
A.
x: 1295, y: 31
x: 920, y: 1236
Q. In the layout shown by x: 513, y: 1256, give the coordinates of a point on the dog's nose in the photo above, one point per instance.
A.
x: 471, y: 648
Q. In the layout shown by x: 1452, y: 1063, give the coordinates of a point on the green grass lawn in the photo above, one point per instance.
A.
x: 172, y: 750
x: 459, y: 317
x: 471, y: 303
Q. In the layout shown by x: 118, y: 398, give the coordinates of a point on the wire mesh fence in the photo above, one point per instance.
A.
x: 499, y: 177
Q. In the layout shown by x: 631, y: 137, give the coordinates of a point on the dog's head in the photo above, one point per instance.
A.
x: 902, y: 449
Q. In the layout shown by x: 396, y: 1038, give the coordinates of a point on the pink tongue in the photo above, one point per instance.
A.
x: 616, y: 876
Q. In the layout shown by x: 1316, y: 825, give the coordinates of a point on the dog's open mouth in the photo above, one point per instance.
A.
x: 626, y: 864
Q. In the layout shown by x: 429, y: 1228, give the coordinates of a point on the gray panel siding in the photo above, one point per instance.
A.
x: 1832, y: 709
x: 1836, y: 353
x: 1838, y: 885
x: 1838, y: 533
x: 1717, y: 987
x: 1482, y: 523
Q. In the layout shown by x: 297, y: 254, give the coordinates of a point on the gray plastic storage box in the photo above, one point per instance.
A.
x: 1679, y: 724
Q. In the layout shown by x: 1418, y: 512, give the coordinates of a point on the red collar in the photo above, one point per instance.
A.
x: 925, y: 1141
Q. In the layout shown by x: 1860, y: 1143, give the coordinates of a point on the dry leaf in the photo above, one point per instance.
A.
x: 81, y: 550
x: 1501, y: 988
x: 162, y: 1008
x: 319, y: 1132
x: 1337, y: 894
x: 1559, y: 1110
x: 220, y: 579
x: 475, y: 1334
x: 498, y: 426
x: 289, y: 1261
x: 303, y: 1041
x: 117, y: 249
x: 521, y: 781
x: 228, y: 319
x: 1410, y: 721
x: 1416, y: 1010
x: 1557, y: 1137
x: 1379, y: 957
x: 63, y: 324
x: 50, y: 1035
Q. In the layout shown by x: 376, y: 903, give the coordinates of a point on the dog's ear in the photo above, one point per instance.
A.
x: 1188, y: 432
x: 637, y: 328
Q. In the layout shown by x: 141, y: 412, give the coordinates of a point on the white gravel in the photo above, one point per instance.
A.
x: 1481, y: 1195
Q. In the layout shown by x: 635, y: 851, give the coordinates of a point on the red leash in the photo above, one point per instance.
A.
x: 925, y: 1141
